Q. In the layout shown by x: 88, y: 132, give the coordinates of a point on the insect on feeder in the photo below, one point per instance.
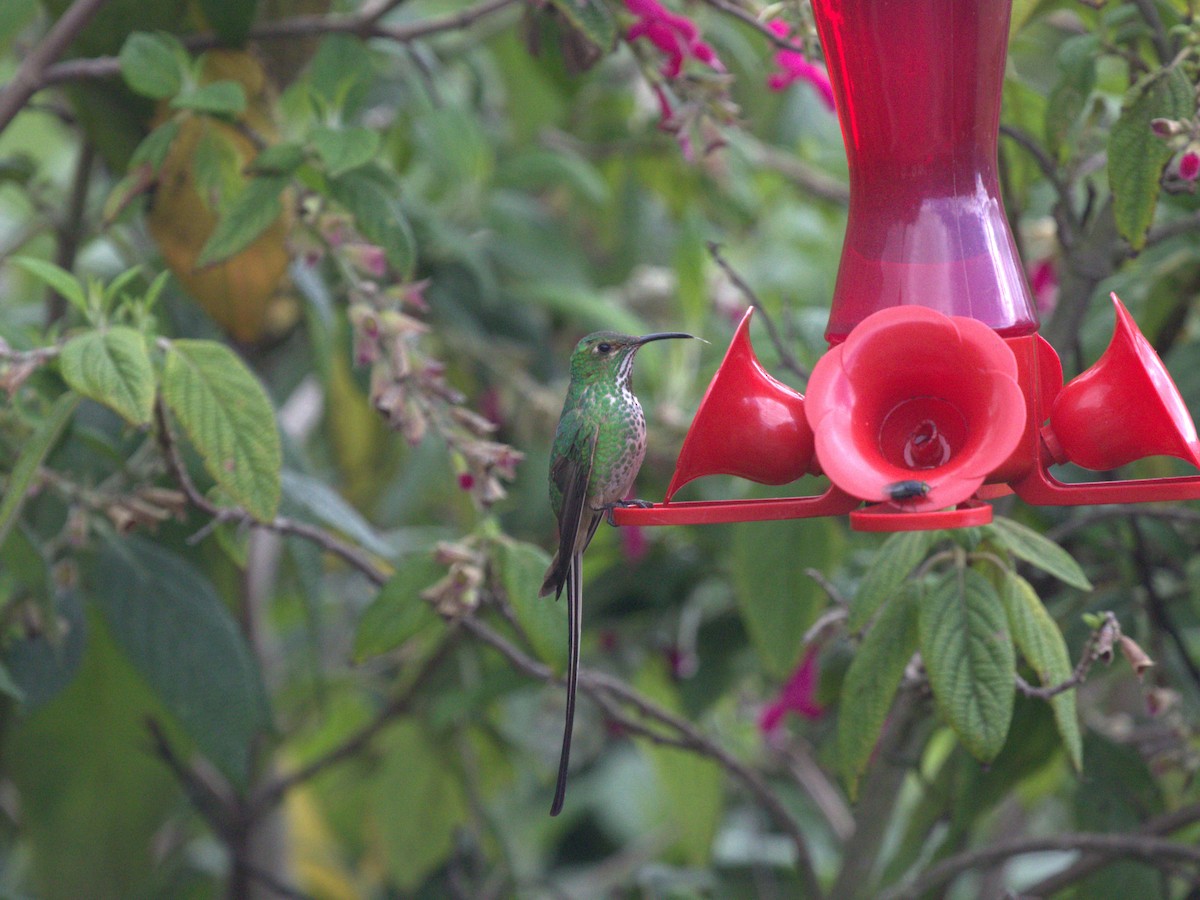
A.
x: 937, y: 393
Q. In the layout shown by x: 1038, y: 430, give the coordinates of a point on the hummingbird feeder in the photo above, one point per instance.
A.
x: 937, y: 393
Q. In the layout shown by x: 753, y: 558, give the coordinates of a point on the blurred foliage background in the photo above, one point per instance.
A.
x: 328, y: 262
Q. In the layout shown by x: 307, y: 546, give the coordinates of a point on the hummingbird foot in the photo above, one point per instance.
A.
x: 623, y: 504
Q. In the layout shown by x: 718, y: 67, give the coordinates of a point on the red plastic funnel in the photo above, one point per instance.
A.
x: 748, y: 424
x: 915, y: 396
x: 1125, y: 407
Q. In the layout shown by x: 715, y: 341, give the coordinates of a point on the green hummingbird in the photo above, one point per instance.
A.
x: 598, y: 448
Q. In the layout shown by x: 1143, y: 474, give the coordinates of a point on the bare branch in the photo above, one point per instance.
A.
x: 1151, y: 849
x: 269, y: 795
x: 688, y: 737
x: 364, y: 25
x: 29, y: 78
x: 786, y: 358
x: 349, y: 553
x: 1159, y: 825
x: 1099, y: 646
x: 205, y: 798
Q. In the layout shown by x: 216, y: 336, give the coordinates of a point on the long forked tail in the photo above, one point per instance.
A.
x: 574, y: 630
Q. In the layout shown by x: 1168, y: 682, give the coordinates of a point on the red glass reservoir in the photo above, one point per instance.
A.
x: 918, y: 86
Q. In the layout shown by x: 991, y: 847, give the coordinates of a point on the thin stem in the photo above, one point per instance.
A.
x: 1099, y: 646
x: 29, y: 78
x: 364, y: 25
x: 688, y: 737
x: 271, y: 793
x: 786, y: 358
x: 1151, y: 849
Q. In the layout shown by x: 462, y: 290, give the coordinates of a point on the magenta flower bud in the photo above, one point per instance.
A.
x: 1189, y: 165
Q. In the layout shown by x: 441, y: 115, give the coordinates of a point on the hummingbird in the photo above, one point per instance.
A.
x: 599, y: 446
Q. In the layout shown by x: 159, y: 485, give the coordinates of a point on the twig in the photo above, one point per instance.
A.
x: 1156, y: 605
x: 1150, y: 849
x: 273, y: 791
x: 804, y: 176
x: 591, y: 683
x: 749, y: 18
x: 1162, y: 42
x: 1099, y: 646
x: 1094, y: 516
x: 1159, y: 825
x: 1064, y: 215
x: 365, y: 25
x: 349, y: 553
x: 70, y: 229
x: 786, y: 358
x: 29, y: 78
x: 689, y: 737
x: 207, y: 800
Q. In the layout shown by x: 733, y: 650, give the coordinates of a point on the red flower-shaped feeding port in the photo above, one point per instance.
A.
x: 915, y: 396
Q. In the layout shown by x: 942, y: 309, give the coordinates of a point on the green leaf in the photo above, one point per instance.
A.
x: 33, y: 453
x: 970, y: 660
x: 316, y: 501
x: 1044, y: 648
x: 398, y: 612
x: 344, y: 149
x: 82, y: 762
x: 217, y: 98
x: 59, y: 279
x: 113, y: 368
x: 1136, y: 156
x: 151, y: 64
x: 229, y: 420
x: 278, y: 159
x: 593, y: 18
x: 153, y: 149
x: 1025, y: 543
x: 368, y: 194
x: 252, y: 212
x: 691, y: 795
x: 894, y: 562
x: 168, y: 620
x: 230, y: 19
x: 543, y: 619
x: 872, y: 680
x: 777, y: 599
x: 418, y: 805
x: 1077, y: 78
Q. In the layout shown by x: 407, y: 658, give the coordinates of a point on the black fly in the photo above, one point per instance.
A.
x: 899, y: 491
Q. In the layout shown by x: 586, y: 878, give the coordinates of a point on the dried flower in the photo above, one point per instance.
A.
x: 1137, y: 658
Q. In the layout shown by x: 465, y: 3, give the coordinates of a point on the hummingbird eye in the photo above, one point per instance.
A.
x: 604, y: 348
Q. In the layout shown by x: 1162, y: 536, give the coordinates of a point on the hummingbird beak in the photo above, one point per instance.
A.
x: 661, y: 336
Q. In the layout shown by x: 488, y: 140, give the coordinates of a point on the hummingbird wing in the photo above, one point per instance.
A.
x: 570, y: 474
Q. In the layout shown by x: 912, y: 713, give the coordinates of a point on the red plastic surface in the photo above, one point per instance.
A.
x: 1125, y: 407
x: 918, y: 85
x: 913, y: 394
x: 832, y: 502
x: 889, y: 517
x: 748, y: 424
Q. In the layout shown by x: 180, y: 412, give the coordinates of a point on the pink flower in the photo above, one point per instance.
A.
x: 794, y: 67
x: 798, y: 695
x: 633, y: 543
x: 676, y: 36
x: 1189, y: 166
x: 1043, y: 281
